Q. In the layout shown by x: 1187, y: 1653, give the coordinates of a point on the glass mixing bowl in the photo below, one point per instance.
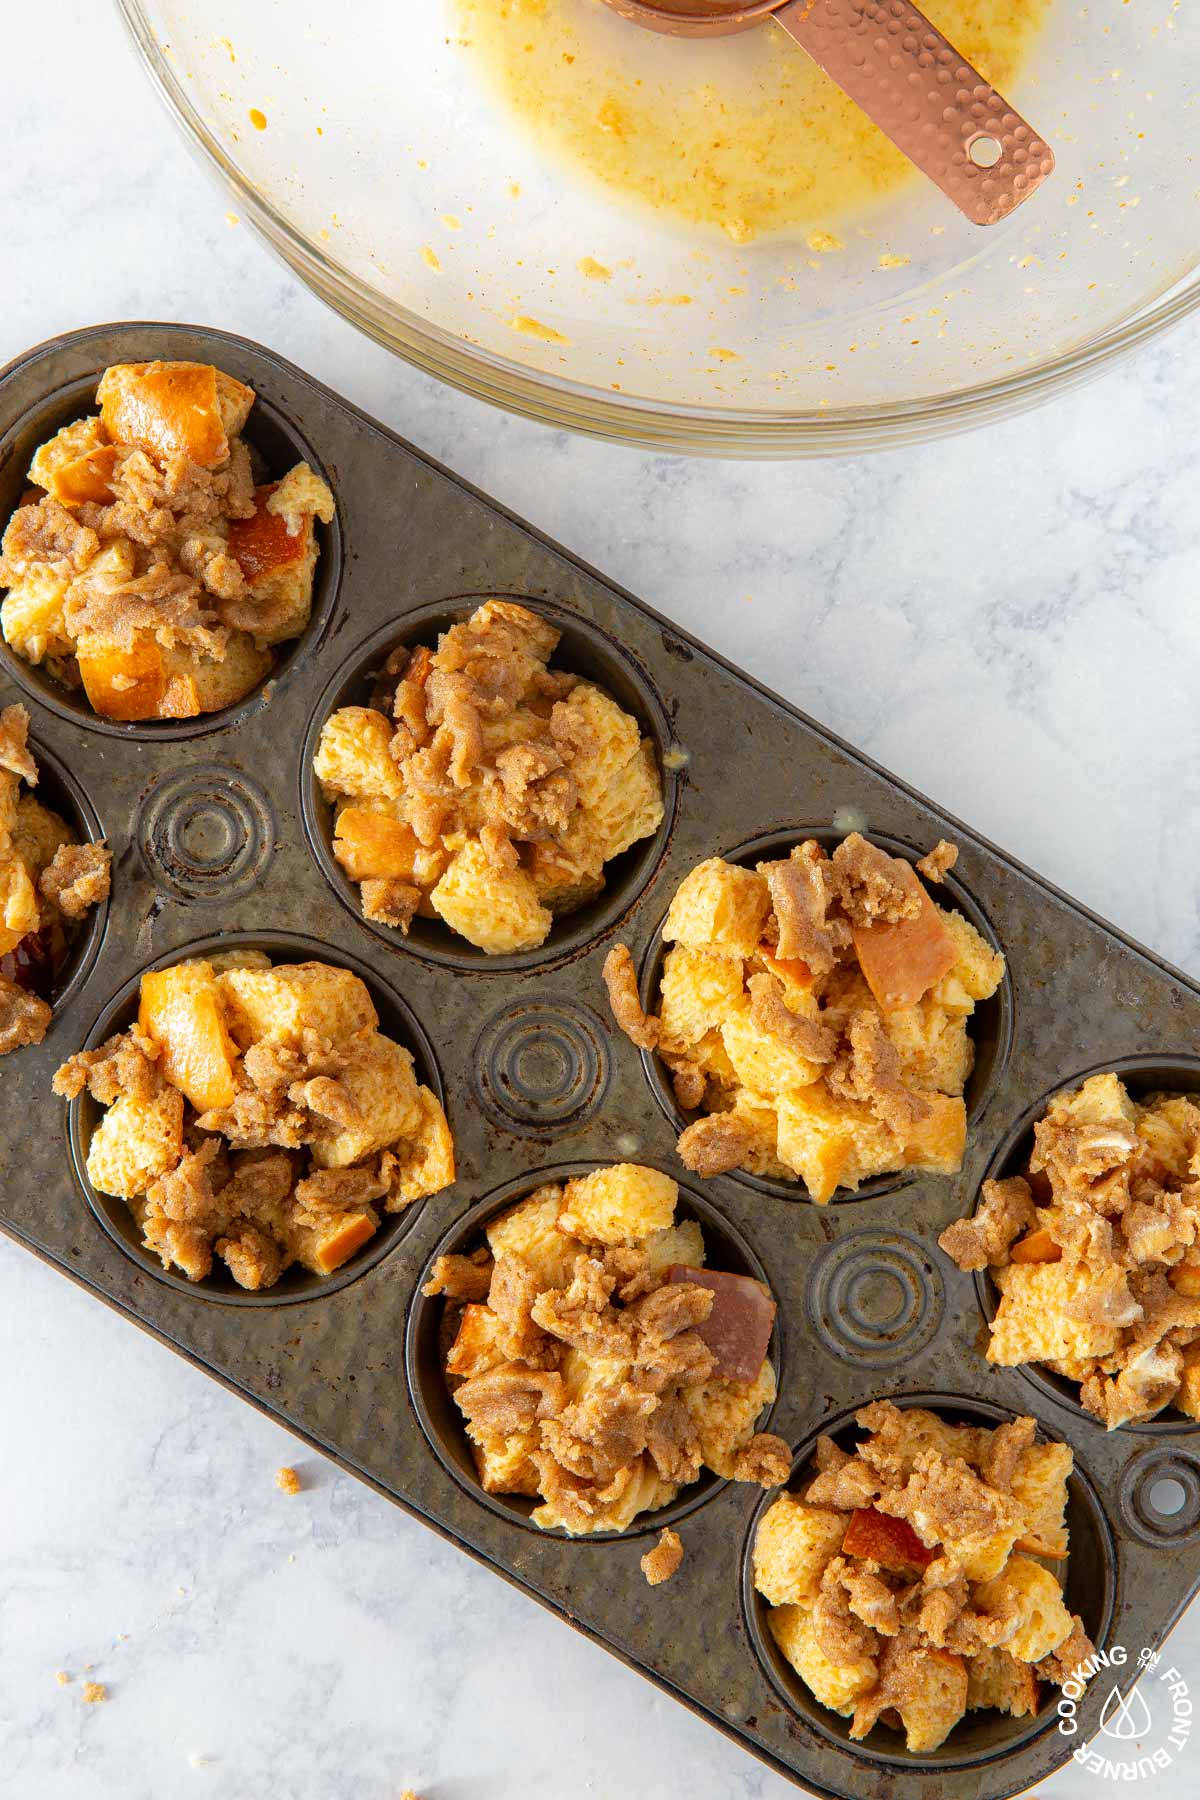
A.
x: 361, y: 142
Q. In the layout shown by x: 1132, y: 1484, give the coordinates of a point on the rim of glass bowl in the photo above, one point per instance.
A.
x: 650, y: 424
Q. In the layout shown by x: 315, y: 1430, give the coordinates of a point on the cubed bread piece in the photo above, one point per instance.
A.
x: 792, y: 1546
x: 761, y: 1061
x: 37, y: 833
x: 173, y: 407
x: 935, y: 1048
x: 607, y: 738
x: 630, y: 806
x: 180, y: 1010
x: 373, y: 845
x: 725, y: 1414
x: 719, y: 903
x: 284, y: 1002
x: 937, y: 1142
x: 353, y: 756
x: 830, y: 1142
x: 1036, y: 1320
x: 135, y: 1142
x: 918, y: 1429
x: 700, y: 989
x: 202, y: 684
x: 325, y: 1247
x: 1039, y: 1486
x: 835, y: 1685
x: 567, y: 870
x: 1188, y: 1398
x: 621, y: 1204
x: 977, y: 970
x: 530, y: 1230
x: 903, y: 958
x: 76, y: 464
x: 278, y: 566
x: 426, y: 1163
x: 1038, y: 1600
x: 996, y: 1679
x: 31, y: 615
x: 20, y: 912
x: 935, y: 1701
x: 476, y: 1347
x: 682, y: 1242
x: 497, y: 910
x: 503, y: 1463
x: 378, y: 1078
x: 123, y: 681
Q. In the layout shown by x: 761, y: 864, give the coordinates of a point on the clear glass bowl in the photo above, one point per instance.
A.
x: 397, y: 188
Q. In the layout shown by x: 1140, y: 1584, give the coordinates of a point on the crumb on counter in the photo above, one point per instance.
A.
x: 287, y: 1481
x: 659, y: 1564
x: 94, y: 1692
x: 62, y: 1678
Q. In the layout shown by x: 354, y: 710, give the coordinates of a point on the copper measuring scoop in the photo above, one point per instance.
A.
x: 945, y: 117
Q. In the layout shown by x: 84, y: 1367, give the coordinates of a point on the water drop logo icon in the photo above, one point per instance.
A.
x: 1125, y: 1718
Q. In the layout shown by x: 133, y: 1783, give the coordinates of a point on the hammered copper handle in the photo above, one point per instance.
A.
x: 937, y: 109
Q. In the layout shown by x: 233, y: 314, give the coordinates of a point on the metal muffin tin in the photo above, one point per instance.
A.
x: 217, y: 829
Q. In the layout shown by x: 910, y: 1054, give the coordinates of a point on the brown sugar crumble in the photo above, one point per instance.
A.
x: 937, y: 863
x: 47, y: 883
x: 660, y: 1563
x: 483, y: 787
x: 814, y: 1011
x: 287, y: 1481
x: 257, y: 1114
x: 598, y: 1365
x: 902, y: 1579
x: 1096, y: 1251
x: 147, y: 566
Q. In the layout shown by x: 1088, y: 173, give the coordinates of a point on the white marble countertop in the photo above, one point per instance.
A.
x: 321, y: 1646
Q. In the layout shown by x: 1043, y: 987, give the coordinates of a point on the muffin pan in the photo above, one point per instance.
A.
x: 216, y: 826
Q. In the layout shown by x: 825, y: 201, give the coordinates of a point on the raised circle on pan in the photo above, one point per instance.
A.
x: 541, y: 1065
x: 59, y: 790
x: 991, y: 1026
x: 875, y: 1297
x: 584, y: 650
x: 275, y: 445
x: 424, y: 1345
x: 1142, y: 1074
x: 395, y: 1018
x: 1160, y: 1498
x: 982, y: 1737
x: 207, y: 834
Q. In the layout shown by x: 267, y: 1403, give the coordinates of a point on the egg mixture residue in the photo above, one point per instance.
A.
x: 743, y: 134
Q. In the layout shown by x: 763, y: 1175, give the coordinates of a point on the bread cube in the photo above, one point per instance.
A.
x: 476, y: 1347
x: 937, y: 1700
x: 284, y: 1002
x: 937, y: 1141
x: 123, y: 681
x: 682, y: 1242
x: 325, y: 1247
x: 977, y: 970
x: 1188, y: 1397
x: 373, y: 845
x: 36, y: 832
x: 180, y: 1010
x: 497, y: 910
x: 1033, y: 1322
x: 503, y: 1463
x: 792, y: 1546
x: 567, y: 871
x: 630, y: 806
x: 383, y: 1090
x: 700, y: 988
x: 608, y: 738
x: 839, y: 1686
x: 761, y: 1156
x: 20, y: 911
x: 996, y: 1679
x: 619, y: 1205
x: 173, y: 407
x: 426, y: 1163
x: 919, y: 1429
x: 725, y: 1414
x: 353, y: 756
x: 530, y: 1230
x: 1039, y: 1486
x: 892, y: 1543
x: 935, y: 1048
x: 1045, y: 1621
x: 831, y: 1143
x: 76, y: 464
x: 719, y: 903
x: 903, y: 958
x: 278, y: 565
x: 31, y: 615
x: 135, y: 1142
x: 762, y: 1062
